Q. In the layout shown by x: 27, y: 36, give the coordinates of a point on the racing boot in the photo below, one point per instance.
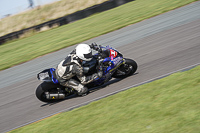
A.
x: 83, y: 92
x: 76, y: 85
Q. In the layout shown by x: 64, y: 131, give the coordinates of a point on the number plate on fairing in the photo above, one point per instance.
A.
x: 113, y: 53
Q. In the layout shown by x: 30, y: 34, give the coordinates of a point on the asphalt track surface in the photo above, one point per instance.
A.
x: 160, y: 45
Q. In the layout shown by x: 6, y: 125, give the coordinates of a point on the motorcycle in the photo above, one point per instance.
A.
x: 111, y: 61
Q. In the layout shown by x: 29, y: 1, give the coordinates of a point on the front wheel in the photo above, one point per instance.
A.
x: 126, y: 69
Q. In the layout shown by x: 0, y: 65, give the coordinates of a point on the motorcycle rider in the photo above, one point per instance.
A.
x: 72, y: 66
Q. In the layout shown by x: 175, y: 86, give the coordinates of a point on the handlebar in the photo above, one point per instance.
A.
x: 96, y: 47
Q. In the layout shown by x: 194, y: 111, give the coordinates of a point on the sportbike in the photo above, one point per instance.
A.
x: 111, y: 61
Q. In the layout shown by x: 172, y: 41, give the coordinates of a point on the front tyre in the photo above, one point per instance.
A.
x: 126, y: 69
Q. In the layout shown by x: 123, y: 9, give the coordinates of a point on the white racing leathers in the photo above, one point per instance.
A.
x: 71, y: 67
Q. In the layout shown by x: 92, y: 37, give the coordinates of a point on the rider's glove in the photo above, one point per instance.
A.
x: 96, y: 47
x: 93, y: 45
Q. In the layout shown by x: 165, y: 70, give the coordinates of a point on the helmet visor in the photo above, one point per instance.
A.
x: 88, y: 56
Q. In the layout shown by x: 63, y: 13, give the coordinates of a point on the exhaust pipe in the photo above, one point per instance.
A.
x: 55, y: 96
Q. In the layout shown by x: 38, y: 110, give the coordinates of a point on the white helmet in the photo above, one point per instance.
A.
x: 84, y: 52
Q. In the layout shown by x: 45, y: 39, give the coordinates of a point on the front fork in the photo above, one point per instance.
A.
x: 113, y: 65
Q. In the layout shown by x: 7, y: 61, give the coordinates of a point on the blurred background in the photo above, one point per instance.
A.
x: 11, y: 7
x: 21, y: 14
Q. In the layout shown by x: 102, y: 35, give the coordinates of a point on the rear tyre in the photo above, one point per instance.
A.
x: 42, y: 88
x: 126, y: 69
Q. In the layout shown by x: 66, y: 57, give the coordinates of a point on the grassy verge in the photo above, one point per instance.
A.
x: 168, y: 105
x: 28, y: 48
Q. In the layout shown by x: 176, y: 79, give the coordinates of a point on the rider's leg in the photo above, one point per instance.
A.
x: 72, y: 83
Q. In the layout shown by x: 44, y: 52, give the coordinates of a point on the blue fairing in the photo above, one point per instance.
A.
x: 116, y: 62
x: 55, y: 81
x: 107, y: 72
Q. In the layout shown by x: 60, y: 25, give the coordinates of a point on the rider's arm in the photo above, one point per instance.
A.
x: 78, y: 70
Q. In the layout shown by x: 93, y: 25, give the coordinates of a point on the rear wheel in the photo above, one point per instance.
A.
x: 45, y: 87
x: 126, y: 69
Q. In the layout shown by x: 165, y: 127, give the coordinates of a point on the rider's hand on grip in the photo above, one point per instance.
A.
x: 94, y: 46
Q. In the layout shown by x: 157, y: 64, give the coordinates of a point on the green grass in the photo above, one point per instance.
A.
x: 168, y: 105
x: 22, y: 50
